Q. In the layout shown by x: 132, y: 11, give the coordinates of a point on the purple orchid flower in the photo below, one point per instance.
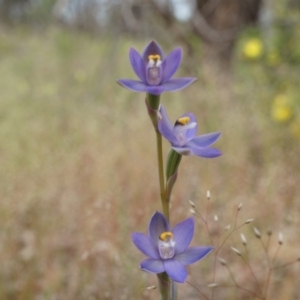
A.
x: 155, y: 71
x: 182, y: 135
x: 168, y: 249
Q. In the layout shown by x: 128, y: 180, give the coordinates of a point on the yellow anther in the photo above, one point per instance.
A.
x: 183, y: 121
x: 155, y: 57
x: 165, y: 236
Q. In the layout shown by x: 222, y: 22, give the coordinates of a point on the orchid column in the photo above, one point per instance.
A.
x: 167, y: 248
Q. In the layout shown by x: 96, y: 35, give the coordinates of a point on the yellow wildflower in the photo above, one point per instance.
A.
x: 281, y: 109
x: 253, y: 48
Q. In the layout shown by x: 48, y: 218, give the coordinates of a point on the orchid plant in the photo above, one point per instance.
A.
x: 165, y: 246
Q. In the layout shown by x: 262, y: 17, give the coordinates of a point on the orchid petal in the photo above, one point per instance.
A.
x: 152, y: 48
x: 183, y: 150
x: 153, y: 265
x: 183, y: 234
x: 155, y: 89
x: 177, y: 84
x: 204, y: 140
x: 165, y: 127
x: 172, y: 85
x: 137, y: 64
x: 145, y: 245
x: 158, y: 225
x: 175, y: 270
x: 133, y: 85
x: 204, y: 151
x: 171, y: 64
x: 192, y: 255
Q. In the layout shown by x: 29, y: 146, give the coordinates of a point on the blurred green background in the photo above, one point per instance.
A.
x: 77, y: 152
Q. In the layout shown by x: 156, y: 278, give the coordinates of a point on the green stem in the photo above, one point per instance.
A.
x: 174, y: 290
x: 164, y: 201
x: 153, y: 102
x: 163, y: 282
x: 173, y: 162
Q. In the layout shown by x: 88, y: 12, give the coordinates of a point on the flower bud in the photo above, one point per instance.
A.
x: 173, y: 162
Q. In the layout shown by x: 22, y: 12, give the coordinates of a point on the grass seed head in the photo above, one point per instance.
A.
x: 257, y: 232
x: 244, y: 240
x: 249, y: 221
x: 280, y: 238
x: 213, y: 285
x: 192, y: 211
x: 192, y: 203
x: 227, y: 227
x: 152, y: 287
x: 222, y: 261
x: 208, y: 195
x: 238, y: 252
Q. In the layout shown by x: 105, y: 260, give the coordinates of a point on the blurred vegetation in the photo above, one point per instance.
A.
x: 78, y: 165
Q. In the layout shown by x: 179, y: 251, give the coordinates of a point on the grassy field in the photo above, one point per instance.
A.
x: 78, y: 171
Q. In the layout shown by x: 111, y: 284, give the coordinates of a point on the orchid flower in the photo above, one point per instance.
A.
x: 167, y: 248
x: 155, y: 71
x: 182, y: 135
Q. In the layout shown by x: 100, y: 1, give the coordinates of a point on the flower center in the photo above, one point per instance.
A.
x: 154, y: 70
x: 155, y: 57
x: 182, y: 121
x: 166, y: 245
x: 181, y: 128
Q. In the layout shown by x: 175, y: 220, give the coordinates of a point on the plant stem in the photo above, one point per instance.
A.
x: 153, y: 102
x: 163, y: 282
x: 164, y: 201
